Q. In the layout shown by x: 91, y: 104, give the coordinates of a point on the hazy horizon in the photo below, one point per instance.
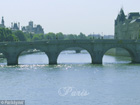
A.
x: 68, y: 17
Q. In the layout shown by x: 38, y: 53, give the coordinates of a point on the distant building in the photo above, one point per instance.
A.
x: 95, y: 36
x: 127, y: 26
x: 98, y: 36
x: 2, y: 23
x: 108, y: 37
x: 15, y: 26
x: 33, y: 29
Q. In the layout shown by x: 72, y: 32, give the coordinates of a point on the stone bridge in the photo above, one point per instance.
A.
x: 52, y: 48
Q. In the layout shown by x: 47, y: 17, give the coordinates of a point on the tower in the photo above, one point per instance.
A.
x: 2, y: 21
x: 11, y: 25
x: 31, y: 24
x: 19, y: 25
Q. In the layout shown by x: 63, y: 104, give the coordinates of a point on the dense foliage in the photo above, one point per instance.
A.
x: 7, y: 35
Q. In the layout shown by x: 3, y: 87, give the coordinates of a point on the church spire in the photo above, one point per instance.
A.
x: 121, y: 15
x: 2, y: 21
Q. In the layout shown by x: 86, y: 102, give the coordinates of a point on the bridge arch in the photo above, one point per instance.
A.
x: 130, y: 51
x: 20, y: 52
x: 73, y: 48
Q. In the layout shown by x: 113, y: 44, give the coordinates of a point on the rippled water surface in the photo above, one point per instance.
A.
x: 74, y: 81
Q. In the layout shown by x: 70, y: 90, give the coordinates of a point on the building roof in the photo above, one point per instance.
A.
x: 137, y: 20
x: 121, y: 16
x: 132, y: 14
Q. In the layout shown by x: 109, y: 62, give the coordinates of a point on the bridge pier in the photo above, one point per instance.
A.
x: 136, y: 59
x: 52, y: 58
x: 12, y: 60
x: 96, y: 58
x: 77, y: 51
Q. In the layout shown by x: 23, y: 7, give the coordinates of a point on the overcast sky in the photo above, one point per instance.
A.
x: 67, y: 16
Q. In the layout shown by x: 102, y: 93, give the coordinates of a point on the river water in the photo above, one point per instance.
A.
x: 74, y: 81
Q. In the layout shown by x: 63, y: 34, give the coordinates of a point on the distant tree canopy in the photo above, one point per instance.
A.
x: 20, y: 35
x: 38, y: 37
x: 7, y: 35
x: 82, y: 36
x: 50, y: 35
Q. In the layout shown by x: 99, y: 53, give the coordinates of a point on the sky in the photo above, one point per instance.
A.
x: 67, y: 16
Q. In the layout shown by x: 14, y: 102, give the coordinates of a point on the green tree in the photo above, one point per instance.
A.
x: 82, y: 36
x: 71, y: 37
x: 6, y: 35
x: 50, y: 35
x: 38, y: 37
x: 20, y: 35
x: 35, y: 37
x: 29, y: 36
x: 60, y: 35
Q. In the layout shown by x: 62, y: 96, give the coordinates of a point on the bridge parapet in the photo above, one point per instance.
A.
x: 71, y: 41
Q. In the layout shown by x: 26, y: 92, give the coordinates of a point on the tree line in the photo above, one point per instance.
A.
x: 7, y: 35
